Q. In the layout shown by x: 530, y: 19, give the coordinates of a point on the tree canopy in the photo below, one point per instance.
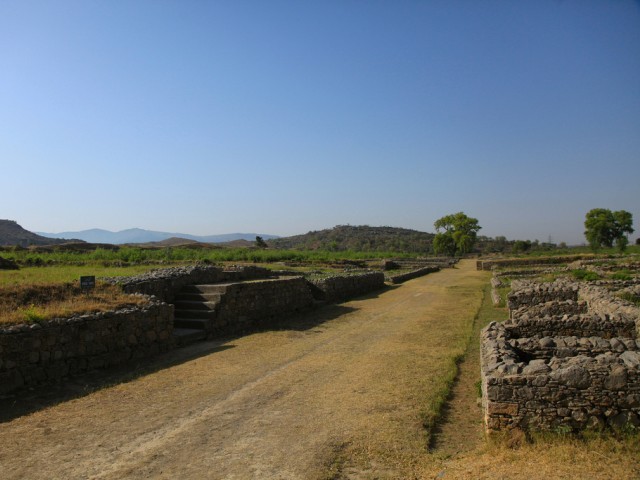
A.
x: 604, y: 227
x: 456, y: 234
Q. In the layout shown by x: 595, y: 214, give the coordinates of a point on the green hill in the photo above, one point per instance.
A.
x: 13, y: 234
x: 359, y: 239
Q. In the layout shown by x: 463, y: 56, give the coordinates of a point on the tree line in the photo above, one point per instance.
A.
x: 457, y: 234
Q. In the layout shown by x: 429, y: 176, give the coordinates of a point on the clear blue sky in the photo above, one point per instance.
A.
x: 281, y: 117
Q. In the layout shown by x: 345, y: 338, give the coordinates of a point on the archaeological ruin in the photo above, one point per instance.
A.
x: 567, y: 359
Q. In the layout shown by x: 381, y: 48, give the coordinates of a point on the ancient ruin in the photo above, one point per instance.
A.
x: 567, y: 359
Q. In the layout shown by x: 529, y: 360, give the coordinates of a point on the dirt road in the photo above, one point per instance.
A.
x: 340, y: 393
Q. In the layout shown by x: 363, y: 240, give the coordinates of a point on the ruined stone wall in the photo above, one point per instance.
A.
x: 571, y: 346
x: 568, y: 357
x: 342, y: 287
x: 528, y: 293
x: 520, y: 262
x: 584, y: 325
x: 600, y: 301
x: 165, y: 283
x: 46, y: 353
x: 256, y: 304
x: 573, y: 392
x: 403, y: 277
x: 551, y: 309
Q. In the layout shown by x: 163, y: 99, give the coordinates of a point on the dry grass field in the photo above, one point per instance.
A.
x: 22, y: 303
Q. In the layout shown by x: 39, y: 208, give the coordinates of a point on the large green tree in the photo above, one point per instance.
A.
x: 455, y: 234
x: 604, y: 227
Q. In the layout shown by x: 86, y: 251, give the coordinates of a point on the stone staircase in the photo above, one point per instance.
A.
x: 195, y: 311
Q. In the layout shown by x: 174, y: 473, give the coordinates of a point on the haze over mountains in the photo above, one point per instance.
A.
x: 139, y: 235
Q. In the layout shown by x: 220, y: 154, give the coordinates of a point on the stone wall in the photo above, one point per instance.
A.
x: 521, y: 262
x: 550, y: 393
x: 600, y: 301
x: 585, y: 325
x: 403, y: 277
x: 342, y: 287
x: 165, y: 283
x: 256, y: 304
x: 529, y: 293
x: 568, y: 358
x: 551, y: 309
x: 47, y: 353
x: 565, y: 347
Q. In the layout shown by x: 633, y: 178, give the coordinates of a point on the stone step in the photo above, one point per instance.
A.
x: 219, y: 288
x: 194, y: 305
x: 198, y: 297
x: 187, y: 336
x: 194, y: 313
x: 191, y: 323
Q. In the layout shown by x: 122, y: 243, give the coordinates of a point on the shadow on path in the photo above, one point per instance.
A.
x: 30, y: 400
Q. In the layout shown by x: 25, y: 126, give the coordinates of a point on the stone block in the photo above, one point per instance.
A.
x: 502, y: 408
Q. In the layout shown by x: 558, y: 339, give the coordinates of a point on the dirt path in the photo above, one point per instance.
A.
x: 460, y: 429
x: 338, y: 394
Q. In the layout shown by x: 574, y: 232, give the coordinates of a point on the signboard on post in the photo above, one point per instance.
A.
x: 88, y: 282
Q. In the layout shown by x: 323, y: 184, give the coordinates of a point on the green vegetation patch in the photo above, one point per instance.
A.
x: 630, y: 297
x: 585, y: 275
x: 621, y: 275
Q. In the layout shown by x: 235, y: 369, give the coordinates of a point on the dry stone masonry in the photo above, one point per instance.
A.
x: 403, y: 277
x: 37, y: 354
x: 567, y: 358
x: 165, y: 283
x: 491, y: 264
x: 338, y: 288
x: 233, y: 308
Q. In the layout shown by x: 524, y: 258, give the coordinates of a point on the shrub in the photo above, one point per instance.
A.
x: 31, y: 314
x: 585, y: 275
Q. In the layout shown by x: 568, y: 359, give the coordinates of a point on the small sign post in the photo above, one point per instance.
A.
x: 88, y: 283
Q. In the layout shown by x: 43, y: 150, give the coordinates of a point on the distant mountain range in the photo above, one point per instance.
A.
x: 340, y: 238
x: 139, y: 235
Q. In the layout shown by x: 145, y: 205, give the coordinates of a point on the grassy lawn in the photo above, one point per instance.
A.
x: 66, y: 273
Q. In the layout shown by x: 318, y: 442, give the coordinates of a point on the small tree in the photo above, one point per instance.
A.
x: 604, y: 227
x: 443, y: 243
x: 456, y: 234
x: 260, y: 243
x: 520, y: 246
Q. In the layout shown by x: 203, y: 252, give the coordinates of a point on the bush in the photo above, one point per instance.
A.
x: 585, y: 275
